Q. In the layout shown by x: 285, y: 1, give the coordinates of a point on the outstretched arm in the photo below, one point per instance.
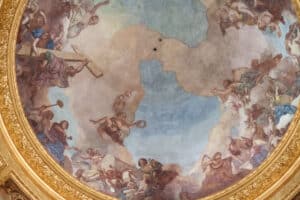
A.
x: 221, y: 92
x: 42, y: 13
x: 98, y: 5
x: 41, y: 108
x: 138, y: 124
x: 227, y: 90
x: 99, y: 120
x: 242, y: 8
x: 34, y: 46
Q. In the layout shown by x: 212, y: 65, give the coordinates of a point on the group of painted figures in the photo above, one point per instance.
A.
x: 40, y: 68
x: 46, y: 24
x: 125, y: 181
x: 265, y: 14
x: 265, y: 120
x: 118, y: 126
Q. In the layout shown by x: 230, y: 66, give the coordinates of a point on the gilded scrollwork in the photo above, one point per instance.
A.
x: 3, y: 164
x: 67, y: 187
x: 13, y: 191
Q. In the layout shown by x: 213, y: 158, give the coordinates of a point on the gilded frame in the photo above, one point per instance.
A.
x: 23, y: 158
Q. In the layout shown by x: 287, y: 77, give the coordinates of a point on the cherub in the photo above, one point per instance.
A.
x: 240, y: 7
x: 292, y: 39
x: 218, y: 168
x: 244, y: 79
x: 266, y: 20
x: 117, y: 127
x: 34, y: 20
x: 89, y: 19
x: 228, y: 18
x: 229, y: 89
x: 120, y: 102
x: 34, y: 17
x: 253, y: 114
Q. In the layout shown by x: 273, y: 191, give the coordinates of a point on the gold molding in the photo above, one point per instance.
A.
x: 3, y: 164
x: 297, y: 6
x: 13, y: 191
x: 16, y: 189
x: 265, y: 182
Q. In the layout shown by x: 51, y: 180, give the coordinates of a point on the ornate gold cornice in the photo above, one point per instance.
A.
x: 14, y: 191
x: 3, y: 164
x: 24, y: 157
x: 296, y: 4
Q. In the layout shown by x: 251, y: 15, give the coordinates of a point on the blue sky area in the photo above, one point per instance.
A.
x: 169, y: 111
x: 183, y: 20
x: 178, y: 123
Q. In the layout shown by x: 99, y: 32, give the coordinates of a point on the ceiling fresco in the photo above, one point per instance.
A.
x: 159, y: 99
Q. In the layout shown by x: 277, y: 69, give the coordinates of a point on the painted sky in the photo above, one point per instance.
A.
x: 178, y: 123
x: 184, y: 20
x: 175, y: 118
